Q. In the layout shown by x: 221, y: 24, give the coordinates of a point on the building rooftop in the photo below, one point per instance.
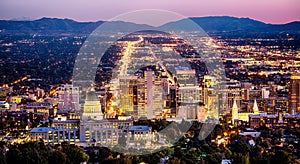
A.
x: 40, y: 130
x: 249, y: 130
x: 140, y: 127
x: 47, y: 129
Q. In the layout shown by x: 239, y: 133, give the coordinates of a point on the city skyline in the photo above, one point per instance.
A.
x: 277, y: 12
x: 129, y: 81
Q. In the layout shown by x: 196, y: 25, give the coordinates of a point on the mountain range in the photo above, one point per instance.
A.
x: 213, y: 25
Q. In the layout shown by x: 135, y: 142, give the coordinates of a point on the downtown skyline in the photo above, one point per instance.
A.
x: 160, y: 81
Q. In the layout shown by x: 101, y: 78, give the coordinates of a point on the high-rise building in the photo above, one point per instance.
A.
x: 189, y: 94
x: 173, y: 99
x: 246, y: 87
x: 186, y: 77
x: 127, y: 86
x: 210, y: 95
x: 68, y: 97
x: 294, y: 94
x: 141, y: 101
x: 150, y: 91
x: 230, y: 93
x: 265, y: 93
x: 158, y: 95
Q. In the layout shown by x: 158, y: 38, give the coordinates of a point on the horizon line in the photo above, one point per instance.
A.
x: 20, y: 19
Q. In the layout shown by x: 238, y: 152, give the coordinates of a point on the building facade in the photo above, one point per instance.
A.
x: 68, y: 97
x: 294, y: 94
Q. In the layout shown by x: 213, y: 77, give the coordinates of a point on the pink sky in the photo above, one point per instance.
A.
x: 269, y: 11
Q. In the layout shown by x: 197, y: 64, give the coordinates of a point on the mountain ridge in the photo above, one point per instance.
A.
x: 220, y: 25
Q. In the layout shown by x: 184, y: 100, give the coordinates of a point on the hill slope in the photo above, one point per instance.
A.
x: 219, y: 25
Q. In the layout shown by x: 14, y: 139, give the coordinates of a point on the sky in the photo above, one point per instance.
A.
x: 268, y: 11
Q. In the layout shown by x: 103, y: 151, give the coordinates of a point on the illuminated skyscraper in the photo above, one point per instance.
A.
x: 149, y: 93
x: 189, y: 94
x: 158, y: 92
x: 127, y: 92
x: 186, y: 77
x: 294, y: 94
x: 68, y: 97
x: 231, y: 92
x: 208, y: 91
x: 150, y: 101
x: 141, y: 101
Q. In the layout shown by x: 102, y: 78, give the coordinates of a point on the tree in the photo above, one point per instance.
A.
x: 240, y: 153
x: 239, y: 158
x: 240, y: 148
x: 58, y: 157
x: 31, y: 152
x: 2, y: 152
x: 74, y: 154
x: 175, y: 161
x: 281, y: 157
x: 104, y: 153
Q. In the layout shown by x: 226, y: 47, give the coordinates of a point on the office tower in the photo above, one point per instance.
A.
x: 210, y: 96
x: 127, y: 86
x: 201, y: 113
x: 233, y: 92
x: 189, y: 94
x: 68, y: 97
x: 185, y: 77
x: 158, y: 95
x: 246, y: 87
x: 150, y: 95
x: 173, y: 99
x: 294, y: 94
x: 150, y: 91
x: 141, y: 101
x: 230, y: 93
x: 265, y: 93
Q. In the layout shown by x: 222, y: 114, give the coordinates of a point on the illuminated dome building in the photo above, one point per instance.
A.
x: 93, y: 128
x: 92, y: 107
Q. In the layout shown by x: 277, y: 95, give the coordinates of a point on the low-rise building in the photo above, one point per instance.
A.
x: 53, y: 135
x: 251, y: 132
x: 274, y: 120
